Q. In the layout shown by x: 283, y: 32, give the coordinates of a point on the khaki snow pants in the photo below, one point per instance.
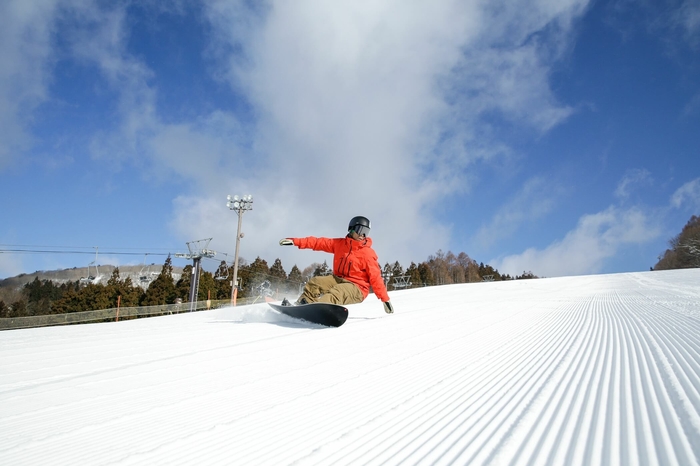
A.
x: 331, y: 289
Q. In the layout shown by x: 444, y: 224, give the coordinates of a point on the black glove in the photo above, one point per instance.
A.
x: 286, y: 242
x: 388, y: 308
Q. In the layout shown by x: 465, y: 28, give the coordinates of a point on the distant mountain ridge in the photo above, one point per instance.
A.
x: 140, y: 275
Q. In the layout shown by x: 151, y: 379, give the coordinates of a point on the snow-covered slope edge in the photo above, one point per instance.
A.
x: 591, y: 370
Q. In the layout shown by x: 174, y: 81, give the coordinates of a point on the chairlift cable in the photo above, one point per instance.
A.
x: 48, y: 251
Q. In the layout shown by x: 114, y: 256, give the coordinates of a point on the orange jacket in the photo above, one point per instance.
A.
x: 353, y: 260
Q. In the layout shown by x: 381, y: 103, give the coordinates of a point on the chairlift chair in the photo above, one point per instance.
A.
x: 220, y: 276
x: 146, y: 277
x: 91, y: 278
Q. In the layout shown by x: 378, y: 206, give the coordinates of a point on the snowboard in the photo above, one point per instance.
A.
x: 330, y: 315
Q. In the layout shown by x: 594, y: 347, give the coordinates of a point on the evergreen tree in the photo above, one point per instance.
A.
x: 38, y: 290
x: 182, y: 287
x: 162, y: 289
x: 223, y: 278
x: 278, y: 276
x: 18, y: 309
x: 90, y: 297
x: 295, y: 276
x: 414, y: 274
x: 259, y: 272
x: 39, y: 295
x: 116, y: 287
x: 295, y: 280
x: 131, y: 294
x: 67, y: 303
x: 397, y: 270
x: 322, y: 269
x: 207, y: 286
x: 115, y: 279
x: 94, y: 297
x: 425, y: 273
x: 245, y: 279
x: 223, y: 288
x: 487, y: 270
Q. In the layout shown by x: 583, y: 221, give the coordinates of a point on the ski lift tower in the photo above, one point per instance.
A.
x: 240, y: 205
x: 196, y: 254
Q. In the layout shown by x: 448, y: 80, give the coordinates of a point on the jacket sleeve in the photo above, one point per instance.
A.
x: 376, y: 280
x: 317, y: 244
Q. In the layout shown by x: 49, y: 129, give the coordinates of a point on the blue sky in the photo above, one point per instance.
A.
x: 558, y: 137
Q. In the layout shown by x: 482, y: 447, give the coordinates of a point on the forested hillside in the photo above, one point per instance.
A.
x: 42, y: 296
x: 684, y: 249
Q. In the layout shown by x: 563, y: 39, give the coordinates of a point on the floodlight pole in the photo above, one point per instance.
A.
x: 240, y: 205
x: 234, y: 283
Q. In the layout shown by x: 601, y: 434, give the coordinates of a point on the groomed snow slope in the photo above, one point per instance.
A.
x: 578, y: 370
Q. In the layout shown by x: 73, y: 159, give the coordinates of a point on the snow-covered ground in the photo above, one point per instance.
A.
x: 579, y: 370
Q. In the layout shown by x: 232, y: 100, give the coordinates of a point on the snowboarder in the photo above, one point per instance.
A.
x: 355, y: 268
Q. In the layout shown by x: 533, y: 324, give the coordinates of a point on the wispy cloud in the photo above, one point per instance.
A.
x: 598, y: 237
x: 537, y: 198
x: 584, y: 250
x: 687, y: 17
x: 630, y: 181
x: 687, y: 196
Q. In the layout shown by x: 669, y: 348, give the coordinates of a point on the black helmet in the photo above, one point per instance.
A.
x: 359, y: 225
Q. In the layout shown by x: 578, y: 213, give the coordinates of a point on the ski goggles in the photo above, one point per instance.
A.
x: 360, y: 229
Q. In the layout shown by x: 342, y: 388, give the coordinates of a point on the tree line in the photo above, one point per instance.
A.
x: 684, y: 251
x: 42, y: 297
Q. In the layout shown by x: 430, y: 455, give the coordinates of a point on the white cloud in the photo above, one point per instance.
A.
x: 359, y: 107
x: 687, y: 195
x: 372, y: 108
x: 25, y: 54
x: 597, y: 237
x: 204, y: 149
